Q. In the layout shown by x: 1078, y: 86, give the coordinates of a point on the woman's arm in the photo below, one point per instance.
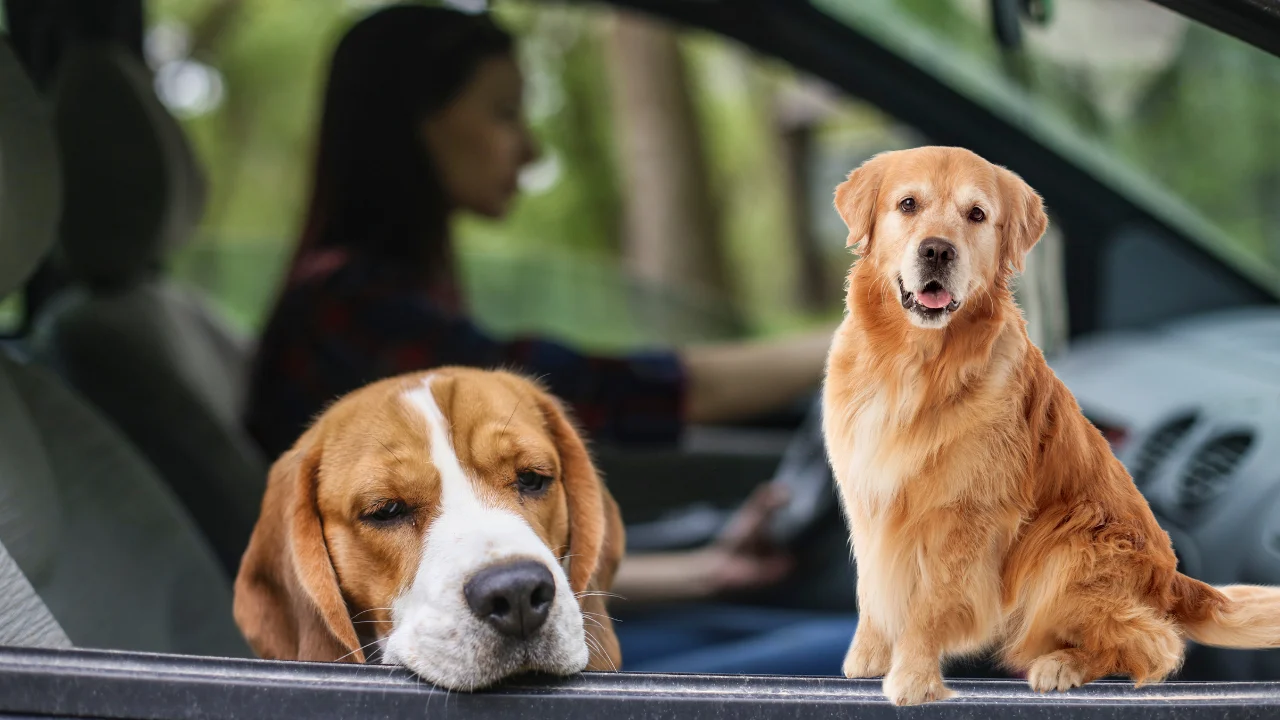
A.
x: 731, y: 381
x: 663, y: 577
x: 643, y: 397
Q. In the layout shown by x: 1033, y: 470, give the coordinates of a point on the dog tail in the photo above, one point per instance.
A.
x: 1232, y: 616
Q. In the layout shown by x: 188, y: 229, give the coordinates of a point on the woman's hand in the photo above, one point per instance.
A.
x: 741, y: 558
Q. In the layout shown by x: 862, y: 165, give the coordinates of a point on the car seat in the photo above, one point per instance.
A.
x: 101, y: 539
x: 153, y: 356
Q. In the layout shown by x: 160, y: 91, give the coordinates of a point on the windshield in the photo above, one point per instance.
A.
x: 1180, y: 117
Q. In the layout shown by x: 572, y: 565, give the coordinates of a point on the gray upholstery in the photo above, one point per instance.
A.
x: 105, y: 544
x: 24, y: 619
x: 94, y: 530
x: 153, y: 356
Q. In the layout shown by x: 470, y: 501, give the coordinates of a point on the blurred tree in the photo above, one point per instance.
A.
x: 671, y: 222
x: 800, y: 109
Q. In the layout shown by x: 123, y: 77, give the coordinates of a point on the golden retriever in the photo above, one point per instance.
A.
x: 985, y: 510
x: 449, y: 521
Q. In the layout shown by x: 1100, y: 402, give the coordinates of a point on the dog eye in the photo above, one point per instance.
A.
x: 532, y: 483
x: 908, y: 205
x: 977, y: 215
x: 388, y: 512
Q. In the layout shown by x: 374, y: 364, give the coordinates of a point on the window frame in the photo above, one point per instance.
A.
x: 1256, y: 22
x: 104, y: 684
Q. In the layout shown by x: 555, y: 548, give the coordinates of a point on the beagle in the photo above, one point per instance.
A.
x: 985, y: 510
x: 450, y: 522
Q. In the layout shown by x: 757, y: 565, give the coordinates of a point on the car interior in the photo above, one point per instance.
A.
x: 128, y: 487
x: 83, y: 508
x: 119, y: 330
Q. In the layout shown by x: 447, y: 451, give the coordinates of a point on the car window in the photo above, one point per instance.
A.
x: 1175, y: 112
x: 247, y: 91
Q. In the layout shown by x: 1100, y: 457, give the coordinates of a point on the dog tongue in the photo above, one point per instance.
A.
x: 934, y: 299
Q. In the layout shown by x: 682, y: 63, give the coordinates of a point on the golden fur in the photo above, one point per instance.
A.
x: 984, y: 509
x: 312, y: 565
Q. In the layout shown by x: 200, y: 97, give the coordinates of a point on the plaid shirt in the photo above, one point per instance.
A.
x: 357, y: 321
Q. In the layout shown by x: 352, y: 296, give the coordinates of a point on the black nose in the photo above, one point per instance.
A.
x: 936, y: 252
x: 514, y: 598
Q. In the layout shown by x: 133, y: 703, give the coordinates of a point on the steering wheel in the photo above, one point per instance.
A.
x: 804, y: 472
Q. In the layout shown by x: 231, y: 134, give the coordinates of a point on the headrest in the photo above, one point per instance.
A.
x: 28, y: 176
x: 133, y: 190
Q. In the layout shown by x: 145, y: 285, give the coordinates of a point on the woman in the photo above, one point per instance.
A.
x: 422, y: 119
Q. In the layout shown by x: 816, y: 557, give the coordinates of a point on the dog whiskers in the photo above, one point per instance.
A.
x: 594, y: 621
x: 597, y: 593
x: 594, y: 645
x: 595, y: 616
x: 362, y: 648
x: 364, y: 612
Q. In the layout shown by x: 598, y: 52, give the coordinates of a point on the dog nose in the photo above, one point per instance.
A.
x: 513, y: 598
x: 937, y: 252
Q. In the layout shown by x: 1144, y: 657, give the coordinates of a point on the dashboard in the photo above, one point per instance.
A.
x: 1193, y: 410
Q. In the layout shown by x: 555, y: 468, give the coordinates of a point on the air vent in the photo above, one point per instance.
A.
x: 1210, y: 468
x: 1158, y: 446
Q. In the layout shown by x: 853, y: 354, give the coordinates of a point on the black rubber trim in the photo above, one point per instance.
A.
x: 1256, y: 22
x: 83, y: 683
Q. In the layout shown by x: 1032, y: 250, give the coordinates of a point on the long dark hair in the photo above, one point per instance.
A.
x: 375, y: 190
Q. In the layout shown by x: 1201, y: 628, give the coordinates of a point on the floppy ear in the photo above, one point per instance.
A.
x: 596, y: 536
x: 287, y: 601
x: 606, y: 653
x: 856, y: 200
x: 1024, y: 220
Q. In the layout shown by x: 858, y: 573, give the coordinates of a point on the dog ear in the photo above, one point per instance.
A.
x: 596, y: 535
x: 287, y: 601
x: 606, y: 652
x: 856, y: 201
x: 1023, y: 220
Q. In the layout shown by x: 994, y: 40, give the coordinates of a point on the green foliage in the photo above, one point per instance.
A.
x: 255, y: 147
x: 734, y: 98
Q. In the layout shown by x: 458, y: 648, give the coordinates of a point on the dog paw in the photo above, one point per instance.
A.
x: 867, y: 660
x: 915, y: 689
x: 863, y: 667
x: 1055, y: 671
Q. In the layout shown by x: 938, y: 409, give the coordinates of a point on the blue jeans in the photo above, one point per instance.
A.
x: 735, y: 639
